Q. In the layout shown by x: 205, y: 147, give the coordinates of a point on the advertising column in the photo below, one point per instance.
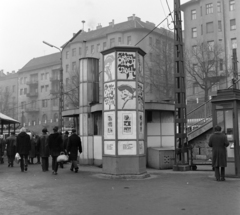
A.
x: 123, y: 111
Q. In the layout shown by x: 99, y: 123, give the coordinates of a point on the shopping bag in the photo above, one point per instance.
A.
x: 17, y: 158
x: 62, y: 157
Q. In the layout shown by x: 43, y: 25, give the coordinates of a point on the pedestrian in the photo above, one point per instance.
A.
x: 43, y: 149
x: 11, y: 148
x: 55, y: 144
x: 23, y: 147
x: 32, y: 153
x: 2, y: 149
x: 65, y: 140
x: 37, y: 149
x: 74, y: 145
x: 218, y: 141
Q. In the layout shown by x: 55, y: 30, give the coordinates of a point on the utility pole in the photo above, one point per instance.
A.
x: 180, y: 127
x: 235, y: 69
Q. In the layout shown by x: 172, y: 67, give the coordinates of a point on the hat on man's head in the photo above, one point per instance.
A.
x: 55, y: 128
x: 44, y: 130
x: 74, y: 130
x: 66, y: 132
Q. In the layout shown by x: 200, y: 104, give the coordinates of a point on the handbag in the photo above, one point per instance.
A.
x: 17, y: 158
x: 62, y: 157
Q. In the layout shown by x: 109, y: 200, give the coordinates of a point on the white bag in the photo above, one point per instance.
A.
x: 62, y: 158
x: 17, y: 157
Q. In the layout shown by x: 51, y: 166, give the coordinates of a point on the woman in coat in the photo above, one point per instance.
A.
x: 32, y: 153
x: 11, y: 148
x: 43, y: 149
x: 218, y: 141
x: 74, y: 145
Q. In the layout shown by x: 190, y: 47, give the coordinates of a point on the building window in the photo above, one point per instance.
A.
x: 219, y: 26
x: 233, y: 24
x: 97, y: 121
x: 119, y: 40
x: 80, y: 51
x: 150, y: 41
x: 13, y: 88
x: 67, y: 68
x: 25, y: 80
x: 129, y: 40
x: 210, y: 45
x: 232, y: 5
x: 104, y: 45
x: 21, y: 80
x: 21, y: 91
x: 209, y: 8
x: 221, y: 64
x: 46, y: 88
x: 74, y: 52
x: 73, y: 66
x: 46, y: 76
x: 194, y: 14
x: 112, y: 42
x: 98, y: 48
x: 92, y: 49
x: 44, y: 102
x: 201, y: 29
x: 194, y: 32
x: 67, y: 53
x: 25, y: 91
x: 42, y: 76
x: 195, y: 88
x: 209, y: 27
x: 234, y: 43
x: 86, y: 50
x: 42, y: 88
x: 219, y: 9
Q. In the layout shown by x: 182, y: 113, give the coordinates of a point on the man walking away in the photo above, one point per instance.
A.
x: 218, y: 141
x: 74, y: 145
x: 43, y: 149
x: 11, y: 148
x: 23, y: 148
x: 2, y: 149
x: 55, y: 144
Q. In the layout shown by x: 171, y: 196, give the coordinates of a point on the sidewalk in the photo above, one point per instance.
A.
x: 166, y: 192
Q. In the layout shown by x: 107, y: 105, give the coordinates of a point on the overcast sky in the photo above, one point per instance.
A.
x: 25, y: 24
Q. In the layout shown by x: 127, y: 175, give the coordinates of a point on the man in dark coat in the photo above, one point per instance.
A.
x: 55, y: 144
x: 43, y: 149
x: 2, y: 149
x: 74, y: 145
x: 218, y: 141
x: 11, y: 148
x: 23, y: 147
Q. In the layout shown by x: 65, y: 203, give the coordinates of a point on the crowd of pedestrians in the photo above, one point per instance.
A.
x: 42, y: 147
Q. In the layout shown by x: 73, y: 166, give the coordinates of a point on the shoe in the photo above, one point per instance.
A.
x: 55, y: 173
x: 217, y: 179
x: 9, y: 165
x: 76, y: 170
x: 222, y: 179
x: 71, y: 169
x: 25, y: 168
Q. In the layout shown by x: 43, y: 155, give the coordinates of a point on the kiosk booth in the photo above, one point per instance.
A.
x: 226, y: 113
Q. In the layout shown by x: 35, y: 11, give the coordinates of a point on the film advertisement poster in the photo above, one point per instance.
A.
x: 141, y: 124
x: 109, y: 125
x: 109, y: 96
x: 126, y: 65
x: 109, y: 147
x: 126, y: 95
x: 127, y: 124
x: 140, y: 67
x: 140, y: 96
x: 109, y: 67
x: 127, y: 148
x: 141, y: 147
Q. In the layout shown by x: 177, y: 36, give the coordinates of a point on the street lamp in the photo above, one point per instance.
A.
x: 60, y: 121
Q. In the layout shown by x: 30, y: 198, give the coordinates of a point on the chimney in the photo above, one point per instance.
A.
x: 111, y: 23
x: 99, y: 26
x: 89, y: 29
x: 133, y: 16
x: 83, y: 25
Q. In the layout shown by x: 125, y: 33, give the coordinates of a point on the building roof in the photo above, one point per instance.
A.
x: 183, y: 6
x: 41, y: 62
x: 132, y: 23
x: 6, y: 119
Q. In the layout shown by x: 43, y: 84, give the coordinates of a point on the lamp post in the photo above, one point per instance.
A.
x: 60, y: 121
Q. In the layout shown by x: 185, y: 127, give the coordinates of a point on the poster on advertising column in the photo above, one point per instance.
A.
x: 126, y: 65
x: 109, y: 125
x: 140, y: 67
x: 141, y: 147
x: 109, y: 147
x: 140, y: 96
x: 127, y: 148
x: 126, y: 124
x: 109, y: 67
x: 109, y: 96
x: 140, y: 125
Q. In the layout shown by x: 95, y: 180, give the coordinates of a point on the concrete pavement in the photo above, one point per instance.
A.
x: 88, y: 193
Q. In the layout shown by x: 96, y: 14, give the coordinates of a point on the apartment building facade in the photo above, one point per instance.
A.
x: 215, y: 23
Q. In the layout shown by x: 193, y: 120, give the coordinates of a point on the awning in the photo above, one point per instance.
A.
x: 4, y: 119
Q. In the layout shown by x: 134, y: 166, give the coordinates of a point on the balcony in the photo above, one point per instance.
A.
x: 32, y: 109
x: 32, y: 94
x: 54, y: 79
x: 54, y: 91
x: 32, y: 82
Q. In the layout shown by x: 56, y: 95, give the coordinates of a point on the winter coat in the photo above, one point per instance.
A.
x: 65, y: 142
x: 55, y: 144
x: 43, y: 147
x: 11, y: 145
x: 23, y: 144
x: 32, y: 153
x: 218, y: 141
x: 2, y: 146
x: 37, y: 146
x: 74, y: 145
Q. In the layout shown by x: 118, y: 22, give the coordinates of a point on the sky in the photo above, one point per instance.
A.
x: 25, y: 24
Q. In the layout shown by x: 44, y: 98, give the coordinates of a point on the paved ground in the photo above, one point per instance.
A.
x: 87, y: 193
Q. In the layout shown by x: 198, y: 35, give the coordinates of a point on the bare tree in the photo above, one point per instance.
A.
x: 203, y: 63
x: 5, y: 104
x: 160, y: 66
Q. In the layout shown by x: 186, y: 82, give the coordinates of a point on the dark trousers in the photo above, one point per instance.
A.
x: 217, y: 173
x: 54, y: 163
x: 74, y: 164
x: 10, y: 159
x: 45, y: 164
x: 23, y: 161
